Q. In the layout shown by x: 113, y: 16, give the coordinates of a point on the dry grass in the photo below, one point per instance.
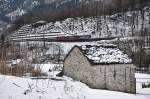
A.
x: 20, y: 70
x: 23, y: 68
x: 36, y: 73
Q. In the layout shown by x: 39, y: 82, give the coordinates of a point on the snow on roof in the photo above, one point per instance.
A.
x: 105, y: 54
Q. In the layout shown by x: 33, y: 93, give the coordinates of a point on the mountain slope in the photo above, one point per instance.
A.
x: 126, y: 24
x: 10, y: 10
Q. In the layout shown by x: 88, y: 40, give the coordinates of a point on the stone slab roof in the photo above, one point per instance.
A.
x: 105, y: 54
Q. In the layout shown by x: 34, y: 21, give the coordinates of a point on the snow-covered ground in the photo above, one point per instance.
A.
x: 142, y: 79
x: 58, y: 88
x: 50, y: 70
x: 25, y: 88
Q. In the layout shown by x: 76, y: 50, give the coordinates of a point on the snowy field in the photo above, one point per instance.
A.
x: 66, y: 88
x: 59, y: 88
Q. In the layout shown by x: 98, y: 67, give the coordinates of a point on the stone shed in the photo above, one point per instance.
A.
x: 101, y: 67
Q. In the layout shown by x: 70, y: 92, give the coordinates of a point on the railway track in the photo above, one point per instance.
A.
x: 61, y: 40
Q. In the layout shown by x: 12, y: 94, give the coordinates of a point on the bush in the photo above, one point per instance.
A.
x: 146, y: 85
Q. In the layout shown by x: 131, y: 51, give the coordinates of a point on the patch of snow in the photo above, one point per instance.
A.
x: 16, y: 13
x: 17, y: 61
x: 139, y: 75
x: 48, y: 69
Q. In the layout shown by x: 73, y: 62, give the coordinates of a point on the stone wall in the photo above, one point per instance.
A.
x: 117, y: 77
